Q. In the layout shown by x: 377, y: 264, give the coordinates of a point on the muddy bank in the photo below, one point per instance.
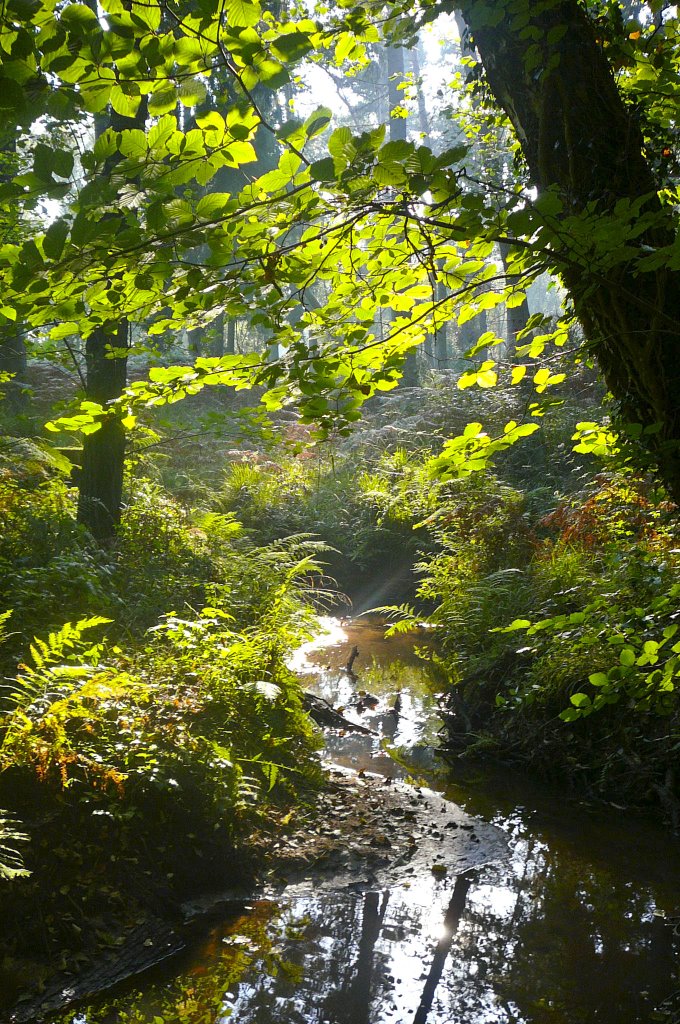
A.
x: 370, y: 832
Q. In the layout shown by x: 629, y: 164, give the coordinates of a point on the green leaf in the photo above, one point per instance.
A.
x: 55, y: 239
x: 148, y: 12
x: 390, y: 174
x: 65, y: 330
x: 79, y: 14
x: 132, y: 142
x: 242, y: 14
x: 191, y: 92
x: 344, y: 47
x: 317, y: 122
x: 341, y: 145
x: 124, y: 104
x: 48, y: 161
x: 627, y: 656
x: 517, y: 624
x: 291, y: 46
x: 163, y: 100
x: 487, y: 379
x: 526, y: 429
x: 323, y: 170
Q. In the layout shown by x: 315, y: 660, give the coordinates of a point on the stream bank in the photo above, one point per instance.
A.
x: 573, y: 926
x: 364, y: 830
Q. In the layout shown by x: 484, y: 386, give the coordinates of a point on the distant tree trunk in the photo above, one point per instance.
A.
x: 423, y: 120
x: 395, y: 96
x: 440, y: 353
x: 397, y: 130
x: 517, y: 316
x: 101, y: 480
x: 12, y: 349
x: 12, y: 360
x: 470, y: 332
x: 195, y: 341
x: 441, y: 341
x: 578, y: 136
x: 230, y: 345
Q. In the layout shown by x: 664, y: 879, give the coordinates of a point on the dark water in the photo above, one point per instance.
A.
x: 574, y: 926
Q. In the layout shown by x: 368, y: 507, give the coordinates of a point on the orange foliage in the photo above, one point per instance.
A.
x: 618, y: 510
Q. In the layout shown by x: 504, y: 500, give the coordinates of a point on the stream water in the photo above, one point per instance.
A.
x: 574, y: 925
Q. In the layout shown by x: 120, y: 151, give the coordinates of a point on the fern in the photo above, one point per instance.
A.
x: 11, y: 863
x: 35, y: 681
x: 404, y: 618
x: 4, y: 616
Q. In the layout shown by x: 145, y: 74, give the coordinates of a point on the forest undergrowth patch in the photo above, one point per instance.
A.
x: 147, y: 740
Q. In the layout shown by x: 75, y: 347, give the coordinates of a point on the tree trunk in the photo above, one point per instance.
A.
x: 454, y: 913
x: 397, y: 130
x: 12, y: 349
x: 359, y: 997
x: 12, y: 360
x: 578, y: 136
x: 230, y: 347
x: 101, y: 481
x: 441, y: 340
x: 423, y: 120
x: 517, y: 316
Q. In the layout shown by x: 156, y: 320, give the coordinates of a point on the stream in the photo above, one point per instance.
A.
x: 574, y: 925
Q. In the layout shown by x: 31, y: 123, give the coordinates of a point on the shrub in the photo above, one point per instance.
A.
x: 161, y: 561
x: 50, y: 569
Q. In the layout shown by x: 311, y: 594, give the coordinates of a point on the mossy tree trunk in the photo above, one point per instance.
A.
x: 580, y: 138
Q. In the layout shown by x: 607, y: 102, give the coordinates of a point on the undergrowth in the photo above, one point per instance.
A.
x: 149, y: 727
x: 559, y: 636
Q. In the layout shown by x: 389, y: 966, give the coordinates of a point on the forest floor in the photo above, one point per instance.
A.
x: 361, y: 831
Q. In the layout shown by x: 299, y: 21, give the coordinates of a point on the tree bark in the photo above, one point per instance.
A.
x: 101, y: 480
x: 397, y: 129
x: 12, y: 360
x: 441, y: 339
x: 423, y: 120
x: 13, y: 357
x: 517, y: 316
x: 230, y: 345
x: 578, y: 137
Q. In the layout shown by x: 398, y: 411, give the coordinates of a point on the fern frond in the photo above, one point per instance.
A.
x: 403, y: 617
x: 34, y: 681
x: 11, y: 863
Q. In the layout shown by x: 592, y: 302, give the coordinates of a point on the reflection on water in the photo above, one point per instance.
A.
x: 569, y: 929
x: 403, y: 717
